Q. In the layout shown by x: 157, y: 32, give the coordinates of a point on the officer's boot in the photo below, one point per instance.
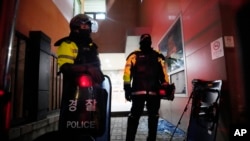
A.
x: 132, y: 128
x: 152, y: 127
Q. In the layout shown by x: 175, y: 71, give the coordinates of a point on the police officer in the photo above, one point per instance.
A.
x: 146, y: 71
x: 77, y: 52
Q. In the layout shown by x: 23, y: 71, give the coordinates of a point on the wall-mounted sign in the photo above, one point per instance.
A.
x: 229, y: 41
x: 217, y: 48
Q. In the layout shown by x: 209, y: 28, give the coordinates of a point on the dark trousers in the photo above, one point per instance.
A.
x: 138, y: 103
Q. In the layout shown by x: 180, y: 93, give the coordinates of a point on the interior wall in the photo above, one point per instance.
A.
x: 199, y: 30
x: 235, y: 95
x: 43, y: 16
x: 203, y: 21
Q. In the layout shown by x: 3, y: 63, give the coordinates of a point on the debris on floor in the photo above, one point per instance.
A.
x: 167, y: 127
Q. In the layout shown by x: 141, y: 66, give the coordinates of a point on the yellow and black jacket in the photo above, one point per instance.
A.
x: 146, y: 71
x: 76, y: 53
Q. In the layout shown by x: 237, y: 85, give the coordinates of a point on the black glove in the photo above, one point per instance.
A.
x: 169, y: 90
x: 72, y: 68
x: 96, y: 74
x: 128, y: 91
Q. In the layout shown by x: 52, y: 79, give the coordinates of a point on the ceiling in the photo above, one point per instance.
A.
x: 116, y: 61
x: 94, y: 5
x: 65, y: 7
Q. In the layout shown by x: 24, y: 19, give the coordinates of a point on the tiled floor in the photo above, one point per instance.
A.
x: 119, y: 126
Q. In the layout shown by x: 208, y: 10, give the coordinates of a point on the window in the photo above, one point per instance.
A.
x: 171, y: 46
x: 95, y: 8
x: 77, y: 7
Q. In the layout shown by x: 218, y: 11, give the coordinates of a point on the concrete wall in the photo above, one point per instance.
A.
x: 31, y: 131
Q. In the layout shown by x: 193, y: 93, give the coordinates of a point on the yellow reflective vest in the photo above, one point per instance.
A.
x: 66, y: 53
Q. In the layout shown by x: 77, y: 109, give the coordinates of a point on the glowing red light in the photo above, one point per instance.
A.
x: 85, y: 81
x: 7, y: 116
x: 162, y: 92
x: 1, y: 92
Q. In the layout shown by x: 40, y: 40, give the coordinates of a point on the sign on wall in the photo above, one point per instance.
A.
x: 217, y: 48
x: 229, y: 41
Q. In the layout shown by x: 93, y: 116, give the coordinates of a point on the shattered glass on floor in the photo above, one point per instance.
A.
x: 167, y: 127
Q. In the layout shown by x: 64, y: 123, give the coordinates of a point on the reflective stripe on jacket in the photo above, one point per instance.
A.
x: 67, y: 52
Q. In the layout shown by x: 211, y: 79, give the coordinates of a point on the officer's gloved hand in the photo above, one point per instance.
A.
x: 128, y: 91
x: 169, y: 91
x: 96, y: 74
x: 72, y: 68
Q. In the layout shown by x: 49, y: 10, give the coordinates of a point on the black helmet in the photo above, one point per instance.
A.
x: 145, y: 38
x: 79, y: 19
x: 145, y: 43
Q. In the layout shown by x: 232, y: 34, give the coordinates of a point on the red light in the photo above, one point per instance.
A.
x: 85, y: 81
x: 162, y: 92
x: 7, y: 116
x: 1, y: 92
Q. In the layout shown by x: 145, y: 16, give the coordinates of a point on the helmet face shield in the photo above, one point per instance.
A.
x: 80, y: 19
x: 94, y: 26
